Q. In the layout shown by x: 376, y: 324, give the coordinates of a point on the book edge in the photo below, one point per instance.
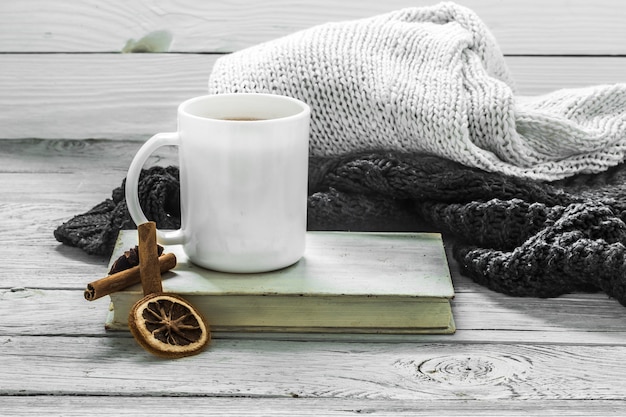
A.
x: 111, y: 324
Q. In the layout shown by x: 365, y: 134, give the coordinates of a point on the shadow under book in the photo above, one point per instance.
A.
x: 347, y: 282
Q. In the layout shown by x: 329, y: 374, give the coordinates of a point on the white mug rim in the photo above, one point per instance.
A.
x: 305, y: 109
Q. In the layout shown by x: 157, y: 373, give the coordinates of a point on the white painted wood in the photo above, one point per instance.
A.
x: 521, y: 26
x: 36, y: 199
x: 481, y: 316
x: 132, y: 96
x: 297, y: 406
x: 586, y: 319
x: 94, y: 96
x: 510, y: 356
x: 58, y: 365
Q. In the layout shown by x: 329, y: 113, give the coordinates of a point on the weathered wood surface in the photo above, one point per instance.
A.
x: 62, y: 77
x: 552, y: 27
x: 480, y: 317
x: 510, y: 356
x: 281, y: 406
x: 255, y: 368
x: 132, y: 96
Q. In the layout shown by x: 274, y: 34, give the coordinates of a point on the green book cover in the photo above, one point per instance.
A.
x: 346, y: 282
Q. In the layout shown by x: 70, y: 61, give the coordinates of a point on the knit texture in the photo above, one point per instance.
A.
x: 96, y: 230
x: 516, y: 236
x: 430, y: 79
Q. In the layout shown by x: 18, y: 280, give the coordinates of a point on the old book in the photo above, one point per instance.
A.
x: 345, y: 283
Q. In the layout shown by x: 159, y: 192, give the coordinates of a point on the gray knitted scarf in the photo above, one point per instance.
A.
x: 513, y: 235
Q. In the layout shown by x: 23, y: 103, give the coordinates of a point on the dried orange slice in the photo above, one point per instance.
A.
x: 164, y: 324
x: 168, y: 326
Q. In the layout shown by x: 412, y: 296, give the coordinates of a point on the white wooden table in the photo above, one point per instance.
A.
x: 62, y: 80
x: 510, y: 356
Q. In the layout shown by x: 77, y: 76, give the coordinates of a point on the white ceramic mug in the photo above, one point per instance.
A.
x: 243, y: 183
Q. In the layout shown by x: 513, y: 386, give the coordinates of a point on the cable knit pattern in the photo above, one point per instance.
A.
x: 96, y: 230
x: 519, y: 237
x: 515, y: 236
x: 433, y: 80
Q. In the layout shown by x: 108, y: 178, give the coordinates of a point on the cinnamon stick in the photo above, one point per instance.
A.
x: 123, y: 279
x: 149, y: 259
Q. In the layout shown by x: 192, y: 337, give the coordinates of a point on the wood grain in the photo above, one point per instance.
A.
x: 133, y: 96
x: 36, y: 200
x: 587, y: 319
x: 280, y: 406
x: 510, y: 356
x: 97, y: 96
x: 255, y: 368
x: 44, y: 183
x: 521, y: 26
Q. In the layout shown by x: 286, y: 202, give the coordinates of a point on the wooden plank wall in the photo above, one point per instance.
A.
x: 63, y: 73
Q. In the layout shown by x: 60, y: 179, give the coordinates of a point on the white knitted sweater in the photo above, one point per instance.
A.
x: 430, y: 79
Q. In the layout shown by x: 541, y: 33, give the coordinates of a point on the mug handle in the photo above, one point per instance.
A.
x: 173, y: 237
